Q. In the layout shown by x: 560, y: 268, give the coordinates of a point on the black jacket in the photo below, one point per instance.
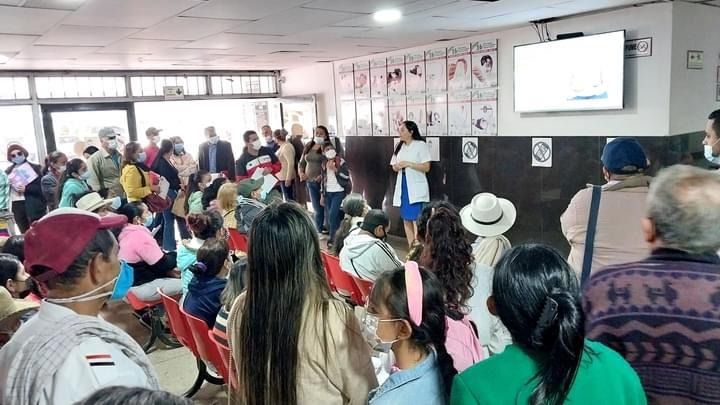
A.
x: 167, y: 170
x: 225, y: 158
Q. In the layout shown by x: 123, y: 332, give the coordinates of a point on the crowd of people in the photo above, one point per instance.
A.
x: 466, y: 318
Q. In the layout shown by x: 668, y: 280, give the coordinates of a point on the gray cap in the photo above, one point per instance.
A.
x: 107, y: 131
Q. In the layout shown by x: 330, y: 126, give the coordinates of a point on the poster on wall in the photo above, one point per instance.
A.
x: 484, y: 112
x: 458, y: 68
x: 470, y: 149
x: 397, y: 112
x: 415, y: 72
x: 437, y: 114
x: 416, y: 111
x: 378, y: 77
x: 363, y: 117
x: 435, y: 68
x: 396, y: 75
x: 379, y: 117
x: 434, y: 146
x: 346, y: 82
x: 347, y: 109
x: 362, y: 79
x: 459, y: 117
x: 484, y: 64
x: 542, y: 152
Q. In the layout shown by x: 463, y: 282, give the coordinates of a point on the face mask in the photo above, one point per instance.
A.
x: 61, y: 169
x: 256, y: 144
x: 179, y: 147
x: 113, y: 145
x: 85, y: 175
x: 370, y: 326
x: 330, y: 154
x: 208, y: 184
x: 18, y: 160
x: 123, y: 282
x: 708, y: 152
x: 148, y: 221
x: 141, y: 157
x: 155, y: 139
x: 214, y: 139
x: 269, y: 140
x: 319, y: 140
x: 116, y: 202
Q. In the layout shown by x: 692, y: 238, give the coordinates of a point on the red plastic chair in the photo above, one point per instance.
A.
x: 206, y: 347
x: 225, y: 355
x: 156, y: 326
x: 364, y: 286
x: 238, y: 241
x: 342, y: 281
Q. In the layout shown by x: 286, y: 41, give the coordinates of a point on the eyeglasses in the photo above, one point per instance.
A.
x: 111, y: 137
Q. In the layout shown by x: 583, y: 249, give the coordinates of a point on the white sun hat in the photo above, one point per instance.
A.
x: 487, y: 215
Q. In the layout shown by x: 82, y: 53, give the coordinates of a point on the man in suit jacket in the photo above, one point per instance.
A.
x: 216, y: 156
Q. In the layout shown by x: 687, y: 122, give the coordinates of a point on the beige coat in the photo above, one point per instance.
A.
x: 343, y: 376
x: 286, y: 154
x: 618, y: 236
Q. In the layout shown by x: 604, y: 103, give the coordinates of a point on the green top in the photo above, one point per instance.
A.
x: 604, y: 377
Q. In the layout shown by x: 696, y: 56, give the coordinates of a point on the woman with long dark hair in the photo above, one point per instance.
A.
x: 73, y: 183
x: 302, y: 346
x: 135, y: 175
x: 311, y: 172
x: 55, y: 165
x: 197, y: 183
x: 536, y: 295
x: 411, y: 162
x: 28, y: 204
x: 164, y: 167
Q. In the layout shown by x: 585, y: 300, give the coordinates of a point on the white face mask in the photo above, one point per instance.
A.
x: 319, y: 140
x: 330, y: 154
x: 61, y: 169
x: 88, y: 296
x: 214, y: 139
x: 708, y: 153
x: 113, y: 145
x: 256, y: 144
x: 370, y: 326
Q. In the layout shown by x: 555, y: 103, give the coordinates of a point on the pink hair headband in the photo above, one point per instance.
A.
x: 414, y: 291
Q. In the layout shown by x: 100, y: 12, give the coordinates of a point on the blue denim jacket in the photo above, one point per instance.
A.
x: 419, y: 385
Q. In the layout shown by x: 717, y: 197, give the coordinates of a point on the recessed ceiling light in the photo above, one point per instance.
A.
x: 387, y: 16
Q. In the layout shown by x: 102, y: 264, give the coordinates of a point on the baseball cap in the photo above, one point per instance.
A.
x: 152, y: 131
x: 247, y: 186
x: 57, y: 239
x: 107, y: 131
x: 624, y: 156
x: 373, y: 219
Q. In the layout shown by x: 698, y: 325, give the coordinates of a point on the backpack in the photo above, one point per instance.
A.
x: 462, y: 342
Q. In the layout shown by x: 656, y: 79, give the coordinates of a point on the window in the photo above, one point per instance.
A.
x: 152, y: 86
x: 244, y: 84
x: 14, y: 88
x: 80, y: 86
x: 16, y: 126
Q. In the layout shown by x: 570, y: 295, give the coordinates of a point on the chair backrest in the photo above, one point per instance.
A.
x: 207, y: 349
x: 137, y: 304
x: 364, y: 286
x: 238, y: 240
x: 342, y: 281
x: 225, y: 356
x: 178, y: 324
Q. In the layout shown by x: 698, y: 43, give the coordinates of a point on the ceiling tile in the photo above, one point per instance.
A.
x: 187, y: 28
x: 242, y: 9
x: 59, y: 52
x: 364, y: 6
x: 18, y: 20
x: 177, y: 54
x: 292, y: 21
x: 16, y: 43
x: 53, y: 4
x: 78, y: 35
x: 229, y: 41
x: 129, y: 13
x: 140, y: 46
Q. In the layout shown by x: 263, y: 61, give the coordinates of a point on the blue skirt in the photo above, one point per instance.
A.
x: 408, y: 212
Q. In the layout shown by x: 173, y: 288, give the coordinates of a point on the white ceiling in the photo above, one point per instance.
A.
x: 244, y: 34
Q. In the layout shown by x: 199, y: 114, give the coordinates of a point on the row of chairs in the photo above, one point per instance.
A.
x: 354, y: 289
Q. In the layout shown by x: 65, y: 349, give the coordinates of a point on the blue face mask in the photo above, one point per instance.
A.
x: 116, y: 202
x: 85, y: 176
x: 179, y: 147
x: 148, y: 221
x: 124, y: 282
x: 141, y: 157
x: 18, y: 160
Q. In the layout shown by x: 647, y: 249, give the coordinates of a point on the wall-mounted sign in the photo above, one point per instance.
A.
x: 694, y: 59
x: 638, y: 48
x: 542, y: 152
x: 174, y: 92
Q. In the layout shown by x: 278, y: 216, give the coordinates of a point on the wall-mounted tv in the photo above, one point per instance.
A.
x: 583, y: 73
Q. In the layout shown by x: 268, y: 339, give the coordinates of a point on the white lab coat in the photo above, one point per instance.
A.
x: 418, y: 188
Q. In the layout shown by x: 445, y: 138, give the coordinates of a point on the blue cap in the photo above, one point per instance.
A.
x: 624, y: 156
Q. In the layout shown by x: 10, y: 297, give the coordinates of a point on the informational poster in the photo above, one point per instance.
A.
x: 415, y: 72
x: 362, y: 80
x: 380, y: 117
x: 397, y: 111
x: 458, y: 68
x: 349, y: 126
x: 484, y: 64
x: 378, y: 77
x: 346, y: 82
x: 484, y: 112
x: 435, y: 68
x: 470, y: 150
x: 416, y: 111
x: 364, y: 117
x: 434, y: 146
x: 459, y: 116
x: 542, y: 152
x: 437, y: 114
x: 396, y: 75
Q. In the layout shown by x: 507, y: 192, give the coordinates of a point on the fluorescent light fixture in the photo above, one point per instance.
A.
x: 4, y: 59
x: 387, y: 16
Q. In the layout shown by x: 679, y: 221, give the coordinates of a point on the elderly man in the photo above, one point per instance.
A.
x: 661, y: 313
x: 66, y: 351
x: 711, y: 143
x: 216, y: 156
x: 621, y: 206
x: 267, y: 134
x: 104, y: 165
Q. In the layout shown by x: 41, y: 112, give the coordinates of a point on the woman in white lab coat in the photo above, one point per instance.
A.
x: 411, y: 162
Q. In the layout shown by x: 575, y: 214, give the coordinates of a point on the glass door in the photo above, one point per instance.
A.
x: 299, y: 115
x: 70, y: 128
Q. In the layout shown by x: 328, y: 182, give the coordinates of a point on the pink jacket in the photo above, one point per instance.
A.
x: 138, y: 245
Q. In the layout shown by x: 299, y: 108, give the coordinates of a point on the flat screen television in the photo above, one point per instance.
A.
x: 578, y: 74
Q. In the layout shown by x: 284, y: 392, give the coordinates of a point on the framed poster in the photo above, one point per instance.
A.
x: 435, y: 68
x: 349, y: 126
x: 397, y: 111
x: 363, y: 117
x: 396, y: 75
x: 458, y: 68
x: 415, y: 73
x: 459, y: 116
x: 484, y: 64
x: 379, y: 108
x: 484, y: 112
x: 362, y: 80
x: 378, y: 77
x: 437, y: 114
x: 346, y: 82
x: 416, y: 111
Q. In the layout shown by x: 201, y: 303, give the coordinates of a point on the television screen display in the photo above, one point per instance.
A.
x: 584, y: 73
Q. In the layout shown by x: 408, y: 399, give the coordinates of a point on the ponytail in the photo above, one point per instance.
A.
x: 444, y: 361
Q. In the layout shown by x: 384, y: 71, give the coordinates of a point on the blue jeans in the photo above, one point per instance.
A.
x: 168, y: 231
x: 314, y: 191
x: 287, y: 191
x: 333, y: 203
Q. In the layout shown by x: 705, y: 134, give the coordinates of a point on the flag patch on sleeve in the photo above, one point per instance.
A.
x: 99, y: 360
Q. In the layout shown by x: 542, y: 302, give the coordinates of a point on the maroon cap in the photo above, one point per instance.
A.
x: 57, y: 239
